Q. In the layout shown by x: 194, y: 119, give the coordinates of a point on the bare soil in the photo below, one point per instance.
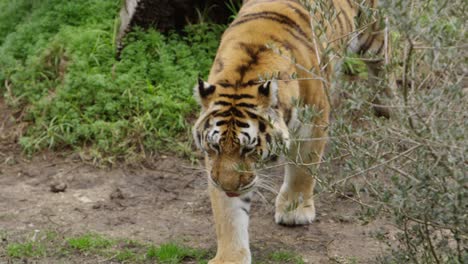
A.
x: 160, y: 202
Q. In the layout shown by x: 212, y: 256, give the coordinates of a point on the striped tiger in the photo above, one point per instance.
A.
x: 245, y: 116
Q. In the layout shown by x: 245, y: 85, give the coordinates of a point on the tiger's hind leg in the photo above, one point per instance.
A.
x: 295, y: 201
x: 375, y: 43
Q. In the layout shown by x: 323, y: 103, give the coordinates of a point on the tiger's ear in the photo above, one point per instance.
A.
x: 268, y: 94
x: 203, y: 92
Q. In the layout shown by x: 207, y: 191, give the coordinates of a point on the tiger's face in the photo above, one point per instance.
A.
x: 238, y: 128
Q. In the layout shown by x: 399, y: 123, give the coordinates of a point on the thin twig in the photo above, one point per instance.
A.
x: 376, y: 166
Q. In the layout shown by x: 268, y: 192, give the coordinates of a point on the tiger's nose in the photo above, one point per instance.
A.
x: 233, y: 182
x: 229, y: 184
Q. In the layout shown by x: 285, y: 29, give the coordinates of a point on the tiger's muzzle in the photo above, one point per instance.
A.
x: 229, y: 176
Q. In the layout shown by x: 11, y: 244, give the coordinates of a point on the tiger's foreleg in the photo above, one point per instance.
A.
x: 295, y: 201
x: 231, y: 216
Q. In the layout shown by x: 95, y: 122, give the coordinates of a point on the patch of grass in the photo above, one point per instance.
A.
x: 89, y: 242
x: 26, y: 250
x: 125, y: 255
x: 173, y: 253
x: 55, y: 247
x: 91, y: 246
x: 58, y: 64
x: 285, y: 257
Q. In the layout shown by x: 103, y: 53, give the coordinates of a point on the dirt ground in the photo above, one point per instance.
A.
x: 160, y: 202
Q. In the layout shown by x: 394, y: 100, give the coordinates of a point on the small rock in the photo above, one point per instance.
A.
x: 117, y: 194
x: 84, y: 199
x: 345, y: 219
x: 57, y: 187
x: 10, y: 161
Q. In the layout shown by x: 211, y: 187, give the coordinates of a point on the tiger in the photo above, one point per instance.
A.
x: 246, y: 113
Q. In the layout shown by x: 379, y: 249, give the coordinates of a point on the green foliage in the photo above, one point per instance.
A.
x: 172, y: 253
x: 354, y: 66
x: 89, y: 242
x: 26, y: 250
x: 234, y: 7
x: 59, y: 65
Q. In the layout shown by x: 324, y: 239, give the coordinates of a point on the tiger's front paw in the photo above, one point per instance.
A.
x: 230, y: 256
x: 293, y: 209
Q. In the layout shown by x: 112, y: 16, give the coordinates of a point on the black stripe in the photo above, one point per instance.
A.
x: 246, y: 150
x: 224, y: 113
x: 367, y: 44
x: 225, y: 84
x: 221, y: 123
x: 348, y: 21
x: 222, y: 103
x: 245, y: 210
x: 242, y: 69
x: 340, y: 23
x: 242, y: 124
x: 380, y: 48
x: 213, y: 112
x: 237, y: 96
x: 230, y: 111
x: 246, y: 199
x: 301, y: 14
x: 251, y: 115
x: 237, y: 112
x: 287, y: 115
x: 269, y: 15
x: 302, y: 39
x: 268, y: 138
x: 261, y: 126
x: 285, y: 43
x: 246, y: 105
x: 253, y: 51
x: 246, y: 134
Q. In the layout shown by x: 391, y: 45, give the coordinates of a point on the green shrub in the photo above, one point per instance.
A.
x: 59, y: 65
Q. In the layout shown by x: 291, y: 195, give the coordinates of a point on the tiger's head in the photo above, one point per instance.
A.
x: 237, y: 128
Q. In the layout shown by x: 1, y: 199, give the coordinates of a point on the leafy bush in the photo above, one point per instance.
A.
x: 59, y: 64
x: 411, y: 167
